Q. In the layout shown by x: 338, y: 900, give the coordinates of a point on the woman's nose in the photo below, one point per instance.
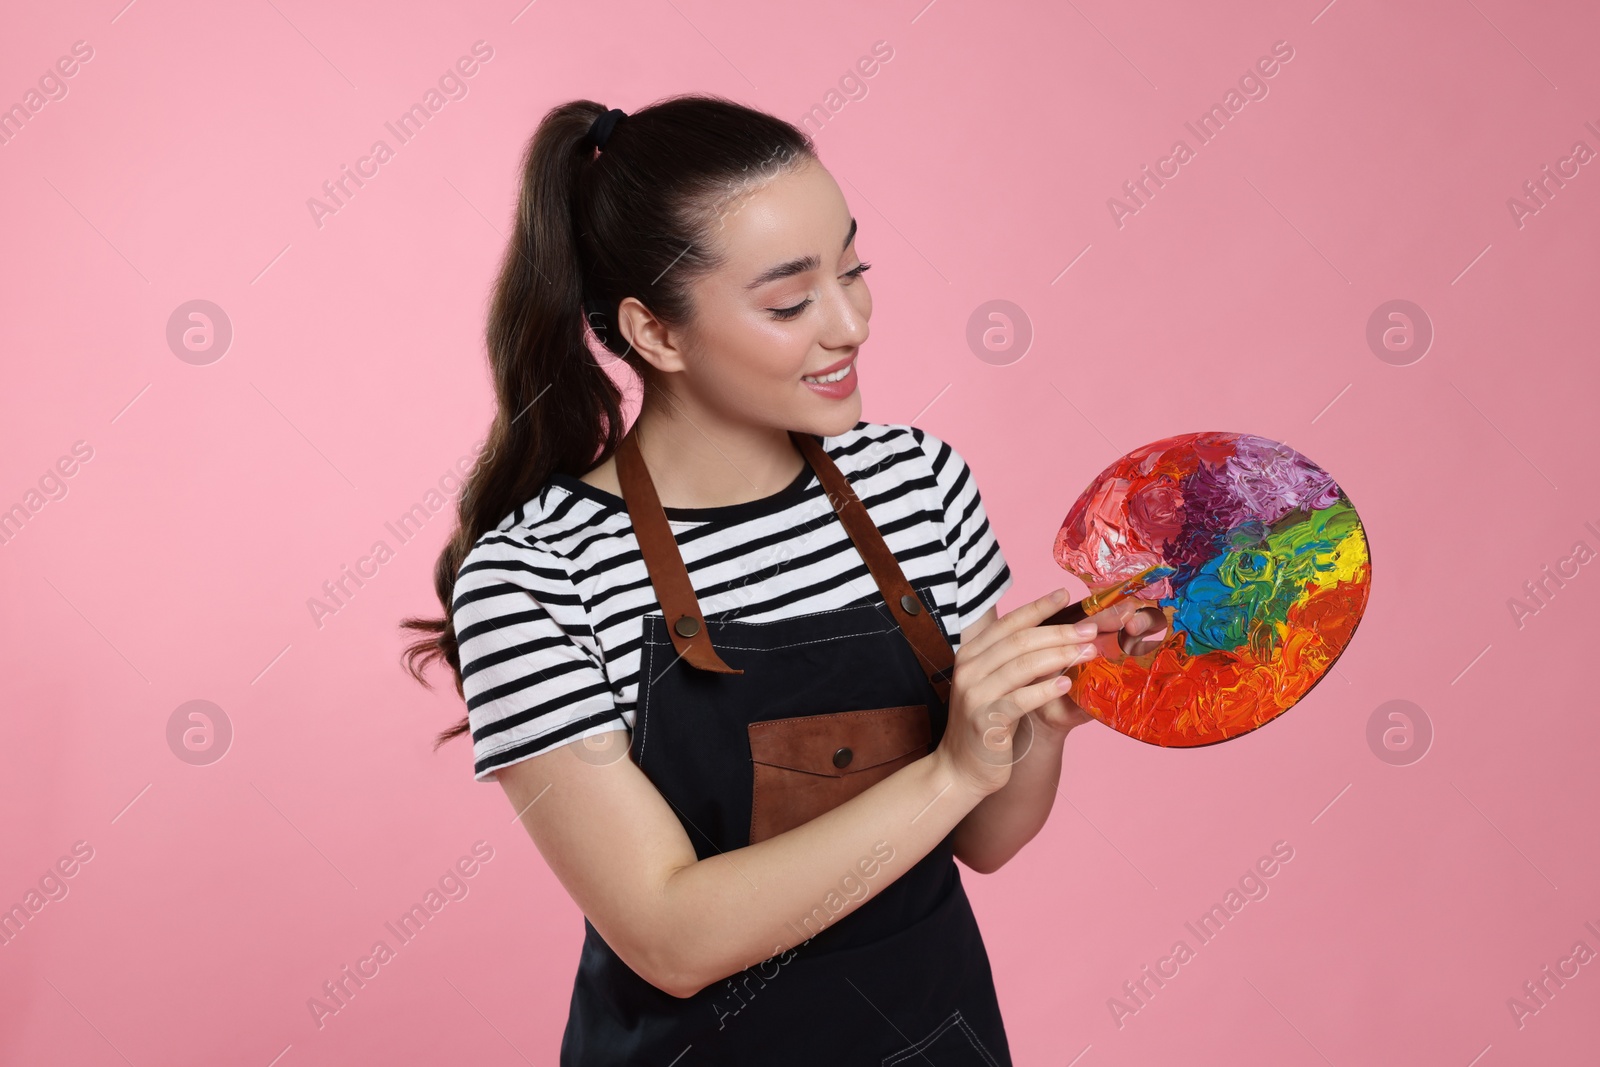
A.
x: 847, y: 322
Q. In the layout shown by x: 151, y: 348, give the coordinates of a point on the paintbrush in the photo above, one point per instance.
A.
x: 1109, y: 596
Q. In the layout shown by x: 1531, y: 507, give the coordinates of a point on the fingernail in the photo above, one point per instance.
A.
x: 1086, y: 629
x: 1058, y: 596
x: 1087, y: 652
x: 1063, y: 683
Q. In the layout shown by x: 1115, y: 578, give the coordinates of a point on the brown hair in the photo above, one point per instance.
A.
x: 591, y: 229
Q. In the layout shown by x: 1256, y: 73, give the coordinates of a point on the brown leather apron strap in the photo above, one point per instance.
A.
x: 679, y: 606
x: 933, y: 650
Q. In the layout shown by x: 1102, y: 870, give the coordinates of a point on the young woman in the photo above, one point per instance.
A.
x: 738, y: 666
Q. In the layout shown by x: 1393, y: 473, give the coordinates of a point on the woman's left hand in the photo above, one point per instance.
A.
x: 1060, y: 714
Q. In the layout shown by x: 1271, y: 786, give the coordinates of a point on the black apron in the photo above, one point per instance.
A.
x: 902, y: 979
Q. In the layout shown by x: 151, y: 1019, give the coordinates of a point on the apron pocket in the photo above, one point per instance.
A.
x: 811, y: 764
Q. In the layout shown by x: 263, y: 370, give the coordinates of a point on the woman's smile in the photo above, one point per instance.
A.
x: 837, y: 384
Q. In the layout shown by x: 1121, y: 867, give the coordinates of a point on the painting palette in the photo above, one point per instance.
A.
x: 1271, y: 578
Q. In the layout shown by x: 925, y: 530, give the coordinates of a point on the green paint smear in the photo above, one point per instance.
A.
x: 1244, y: 596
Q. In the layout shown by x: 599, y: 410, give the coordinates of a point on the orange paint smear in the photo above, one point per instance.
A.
x: 1168, y: 697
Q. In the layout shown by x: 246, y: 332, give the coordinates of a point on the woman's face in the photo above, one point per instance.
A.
x: 788, y: 302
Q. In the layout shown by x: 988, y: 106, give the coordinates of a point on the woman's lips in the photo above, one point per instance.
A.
x: 836, y: 390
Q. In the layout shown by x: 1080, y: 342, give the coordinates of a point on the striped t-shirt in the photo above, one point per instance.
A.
x: 549, y: 606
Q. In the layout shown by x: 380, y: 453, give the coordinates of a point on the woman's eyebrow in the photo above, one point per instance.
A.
x: 798, y: 266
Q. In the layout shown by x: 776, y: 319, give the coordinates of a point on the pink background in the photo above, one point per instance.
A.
x: 220, y: 497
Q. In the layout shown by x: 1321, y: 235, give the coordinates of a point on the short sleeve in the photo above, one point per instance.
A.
x: 531, y: 672
x: 982, y: 575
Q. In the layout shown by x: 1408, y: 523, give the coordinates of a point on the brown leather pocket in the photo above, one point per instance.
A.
x: 810, y: 764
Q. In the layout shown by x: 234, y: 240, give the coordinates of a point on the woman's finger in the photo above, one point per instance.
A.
x: 1018, y: 618
x: 1119, y: 615
x: 1035, y: 696
x: 1050, y: 640
x: 1144, y: 632
x: 1020, y: 671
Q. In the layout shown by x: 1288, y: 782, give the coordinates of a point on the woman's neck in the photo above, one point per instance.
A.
x: 706, y: 463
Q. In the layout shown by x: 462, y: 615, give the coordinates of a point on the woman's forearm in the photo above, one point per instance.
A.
x: 1005, y: 820
x: 736, y: 909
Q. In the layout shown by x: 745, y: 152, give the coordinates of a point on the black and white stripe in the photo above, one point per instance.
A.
x: 548, y: 607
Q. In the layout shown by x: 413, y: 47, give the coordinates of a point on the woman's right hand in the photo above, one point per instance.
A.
x: 1006, y: 670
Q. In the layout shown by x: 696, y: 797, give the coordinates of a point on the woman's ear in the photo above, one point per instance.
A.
x: 649, y: 336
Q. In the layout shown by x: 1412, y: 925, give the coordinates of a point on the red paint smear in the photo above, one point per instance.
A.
x: 1129, y: 474
x: 1171, y: 698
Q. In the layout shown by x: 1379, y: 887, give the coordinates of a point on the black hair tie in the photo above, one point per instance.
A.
x: 600, y: 130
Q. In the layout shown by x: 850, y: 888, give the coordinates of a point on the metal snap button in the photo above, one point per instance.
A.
x: 843, y: 757
x: 911, y: 604
x: 687, y: 625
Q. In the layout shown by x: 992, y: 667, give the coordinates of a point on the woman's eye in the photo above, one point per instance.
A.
x: 784, y: 314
